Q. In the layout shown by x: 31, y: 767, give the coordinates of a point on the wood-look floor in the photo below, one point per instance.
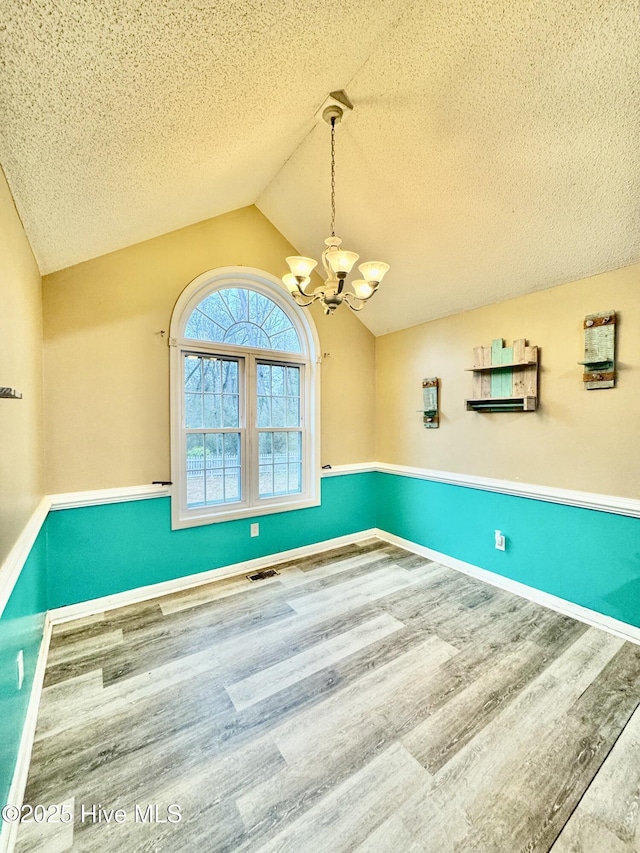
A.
x: 363, y: 700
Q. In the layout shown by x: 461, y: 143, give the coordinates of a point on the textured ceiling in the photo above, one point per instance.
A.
x: 493, y: 149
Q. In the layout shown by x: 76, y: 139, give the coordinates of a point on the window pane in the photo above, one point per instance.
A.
x: 212, y: 411
x: 230, y: 377
x: 195, y: 469
x: 259, y: 307
x: 247, y: 335
x: 295, y: 477
x: 237, y: 300
x: 287, y: 341
x: 243, y: 317
x: 277, y: 379
x: 277, y: 412
x: 293, y: 411
x: 264, y: 379
x: 193, y: 406
x: 195, y: 487
x: 231, y: 449
x: 202, y: 328
x: 280, y: 479
x: 293, y: 381
x: 215, y: 486
x: 213, y: 451
x: 205, y: 405
x: 265, y: 485
x: 265, y: 447
x: 232, y: 484
x: 231, y: 413
x: 213, y: 468
x: 192, y: 374
x: 211, y: 374
x: 195, y: 448
x: 215, y: 308
x: 264, y: 411
x: 295, y: 446
x: 277, y: 321
x: 279, y: 446
x: 280, y: 463
x: 283, y: 409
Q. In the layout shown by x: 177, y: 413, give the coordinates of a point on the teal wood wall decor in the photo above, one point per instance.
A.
x: 430, y: 409
x: 505, y: 379
x: 599, y: 350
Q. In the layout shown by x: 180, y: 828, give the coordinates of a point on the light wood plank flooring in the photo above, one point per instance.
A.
x: 361, y: 700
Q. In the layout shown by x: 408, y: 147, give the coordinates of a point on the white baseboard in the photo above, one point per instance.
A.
x: 17, y: 556
x: 9, y: 831
x: 144, y: 593
x: 553, y: 602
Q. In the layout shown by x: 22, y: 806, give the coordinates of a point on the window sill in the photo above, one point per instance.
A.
x: 182, y: 520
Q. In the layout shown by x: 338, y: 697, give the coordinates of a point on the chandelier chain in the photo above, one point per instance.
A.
x: 333, y: 177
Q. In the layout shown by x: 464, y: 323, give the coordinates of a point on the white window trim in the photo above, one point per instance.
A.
x: 269, y: 286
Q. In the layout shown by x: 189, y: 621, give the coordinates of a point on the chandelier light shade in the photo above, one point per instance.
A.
x: 337, y: 262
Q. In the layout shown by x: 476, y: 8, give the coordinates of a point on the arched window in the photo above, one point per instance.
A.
x: 244, y: 391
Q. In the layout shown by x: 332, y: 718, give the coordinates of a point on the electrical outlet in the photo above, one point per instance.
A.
x: 20, y: 663
x: 255, y: 529
x: 501, y: 540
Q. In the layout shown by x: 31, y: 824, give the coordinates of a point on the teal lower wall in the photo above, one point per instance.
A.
x: 21, y: 627
x: 89, y: 552
x: 101, y: 550
x: 584, y: 556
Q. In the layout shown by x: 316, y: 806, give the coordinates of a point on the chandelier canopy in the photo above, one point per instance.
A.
x: 337, y: 262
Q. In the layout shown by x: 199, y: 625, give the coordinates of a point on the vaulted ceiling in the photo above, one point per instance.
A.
x: 493, y: 149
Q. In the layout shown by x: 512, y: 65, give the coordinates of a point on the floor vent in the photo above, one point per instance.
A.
x: 260, y: 576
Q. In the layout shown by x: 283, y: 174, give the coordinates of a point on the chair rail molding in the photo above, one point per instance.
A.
x: 551, y: 494
x: 588, y: 500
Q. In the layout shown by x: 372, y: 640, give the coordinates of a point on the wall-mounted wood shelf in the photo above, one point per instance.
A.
x: 502, y: 404
x: 486, y: 367
x: 505, y: 379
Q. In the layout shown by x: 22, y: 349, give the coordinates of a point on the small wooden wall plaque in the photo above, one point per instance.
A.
x: 430, y: 411
x: 599, y: 350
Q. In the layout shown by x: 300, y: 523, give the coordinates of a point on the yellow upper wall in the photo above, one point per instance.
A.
x: 107, y: 386
x: 578, y: 439
x: 21, y: 442
x: 107, y: 367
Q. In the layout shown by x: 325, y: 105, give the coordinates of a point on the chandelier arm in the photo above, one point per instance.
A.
x: 331, y: 281
x: 348, y: 297
x: 304, y: 295
x: 327, y: 271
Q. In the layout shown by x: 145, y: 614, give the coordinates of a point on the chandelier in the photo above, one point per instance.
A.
x: 337, y: 262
